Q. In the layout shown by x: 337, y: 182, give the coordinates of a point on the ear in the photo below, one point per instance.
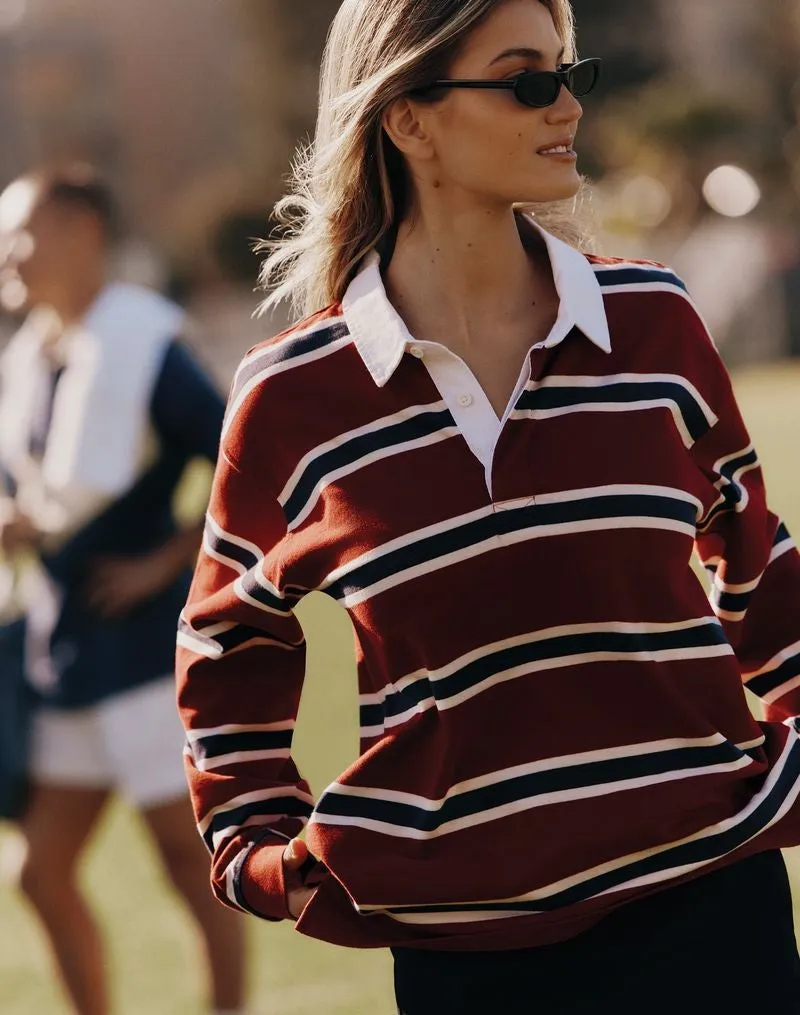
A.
x: 404, y: 122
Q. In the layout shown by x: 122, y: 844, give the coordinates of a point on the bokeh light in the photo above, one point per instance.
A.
x: 731, y: 191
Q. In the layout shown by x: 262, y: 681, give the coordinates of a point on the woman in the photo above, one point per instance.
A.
x: 498, y: 454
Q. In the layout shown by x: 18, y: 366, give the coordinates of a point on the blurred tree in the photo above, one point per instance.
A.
x: 290, y: 38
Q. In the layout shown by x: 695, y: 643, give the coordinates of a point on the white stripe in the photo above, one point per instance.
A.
x: 777, y: 660
x: 375, y: 456
x: 289, y: 364
x: 659, y: 876
x: 511, y: 538
x: 344, y: 438
x: 229, y: 889
x: 209, y: 652
x: 735, y: 481
x: 546, y: 634
x: 239, y: 757
x: 260, y: 579
x: 531, y: 768
x: 579, y: 381
x: 648, y: 287
x: 749, y: 745
x: 527, y: 804
x: 644, y: 404
x: 229, y: 537
x: 722, y: 587
x: 255, y: 796
x: 234, y: 728
x: 600, y: 269
x: 209, y: 550
x: 256, y: 821
x: 548, y: 665
x: 521, y: 805
x: 732, y: 617
x: 790, y: 652
x: 780, y: 548
x: 197, y: 647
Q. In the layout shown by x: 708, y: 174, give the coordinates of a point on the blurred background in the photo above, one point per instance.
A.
x: 192, y: 109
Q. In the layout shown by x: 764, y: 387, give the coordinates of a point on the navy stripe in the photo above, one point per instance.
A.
x: 729, y: 469
x: 704, y: 850
x: 564, y: 396
x: 227, y: 548
x: 274, y: 809
x: 500, y: 523
x: 781, y: 535
x: 527, y: 787
x: 261, y: 595
x: 289, y: 349
x: 418, y: 426
x: 731, y: 490
x: 372, y: 715
x: 733, y: 602
x: 636, y: 275
x: 560, y: 647
x: 768, y: 682
x: 220, y: 744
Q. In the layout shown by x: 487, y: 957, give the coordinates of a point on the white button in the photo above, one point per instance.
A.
x: 465, y: 400
x: 417, y: 351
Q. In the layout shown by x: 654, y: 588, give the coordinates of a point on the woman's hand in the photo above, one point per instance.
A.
x: 298, y: 894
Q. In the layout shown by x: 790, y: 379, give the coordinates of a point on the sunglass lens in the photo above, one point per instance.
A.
x: 537, y: 89
x: 583, y: 77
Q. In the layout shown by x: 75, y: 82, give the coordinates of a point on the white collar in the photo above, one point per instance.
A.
x: 381, y: 336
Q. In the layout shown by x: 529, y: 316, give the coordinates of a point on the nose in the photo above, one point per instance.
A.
x: 566, y: 108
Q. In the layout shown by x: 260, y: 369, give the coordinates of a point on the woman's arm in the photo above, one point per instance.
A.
x: 753, y: 562
x: 240, y: 667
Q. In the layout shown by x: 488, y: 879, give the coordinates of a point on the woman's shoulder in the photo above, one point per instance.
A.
x: 316, y: 331
x: 621, y: 275
x: 272, y: 372
x: 673, y: 324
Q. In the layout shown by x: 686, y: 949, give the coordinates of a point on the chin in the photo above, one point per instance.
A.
x: 555, y: 190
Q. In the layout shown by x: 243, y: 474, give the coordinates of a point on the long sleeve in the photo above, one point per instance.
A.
x: 754, y: 565
x: 240, y: 667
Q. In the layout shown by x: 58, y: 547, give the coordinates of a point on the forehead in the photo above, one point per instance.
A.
x: 515, y: 24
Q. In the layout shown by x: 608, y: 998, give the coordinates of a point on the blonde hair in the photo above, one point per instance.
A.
x: 348, y: 185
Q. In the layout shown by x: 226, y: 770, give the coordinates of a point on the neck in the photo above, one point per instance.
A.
x: 467, y: 268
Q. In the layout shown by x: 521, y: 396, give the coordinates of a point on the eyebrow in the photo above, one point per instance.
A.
x: 526, y: 54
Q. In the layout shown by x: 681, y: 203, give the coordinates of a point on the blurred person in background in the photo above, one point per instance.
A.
x: 500, y: 454
x: 101, y: 409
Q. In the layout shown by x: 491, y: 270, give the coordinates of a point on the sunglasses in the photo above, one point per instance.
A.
x: 537, y: 89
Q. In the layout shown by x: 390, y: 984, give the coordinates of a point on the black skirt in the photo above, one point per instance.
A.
x: 723, y: 943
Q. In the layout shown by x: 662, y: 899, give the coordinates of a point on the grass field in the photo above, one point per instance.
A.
x: 152, y: 955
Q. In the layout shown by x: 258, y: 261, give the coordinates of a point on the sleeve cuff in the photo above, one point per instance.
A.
x: 262, y: 884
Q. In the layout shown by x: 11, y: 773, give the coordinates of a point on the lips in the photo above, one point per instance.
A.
x: 562, y: 147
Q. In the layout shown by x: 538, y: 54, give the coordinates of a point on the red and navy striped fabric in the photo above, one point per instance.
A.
x: 553, y: 719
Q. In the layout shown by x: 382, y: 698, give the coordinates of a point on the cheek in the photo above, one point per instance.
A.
x: 488, y: 135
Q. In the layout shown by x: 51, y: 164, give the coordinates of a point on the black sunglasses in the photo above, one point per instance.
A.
x: 537, y: 89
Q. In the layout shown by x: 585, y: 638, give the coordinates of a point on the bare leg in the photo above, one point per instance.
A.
x: 59, y: 821
x: 187, y: 863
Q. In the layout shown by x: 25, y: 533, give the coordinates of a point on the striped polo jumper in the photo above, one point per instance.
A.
x: 553, y: 719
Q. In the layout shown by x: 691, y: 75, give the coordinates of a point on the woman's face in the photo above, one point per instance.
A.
x: 486, y: 143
